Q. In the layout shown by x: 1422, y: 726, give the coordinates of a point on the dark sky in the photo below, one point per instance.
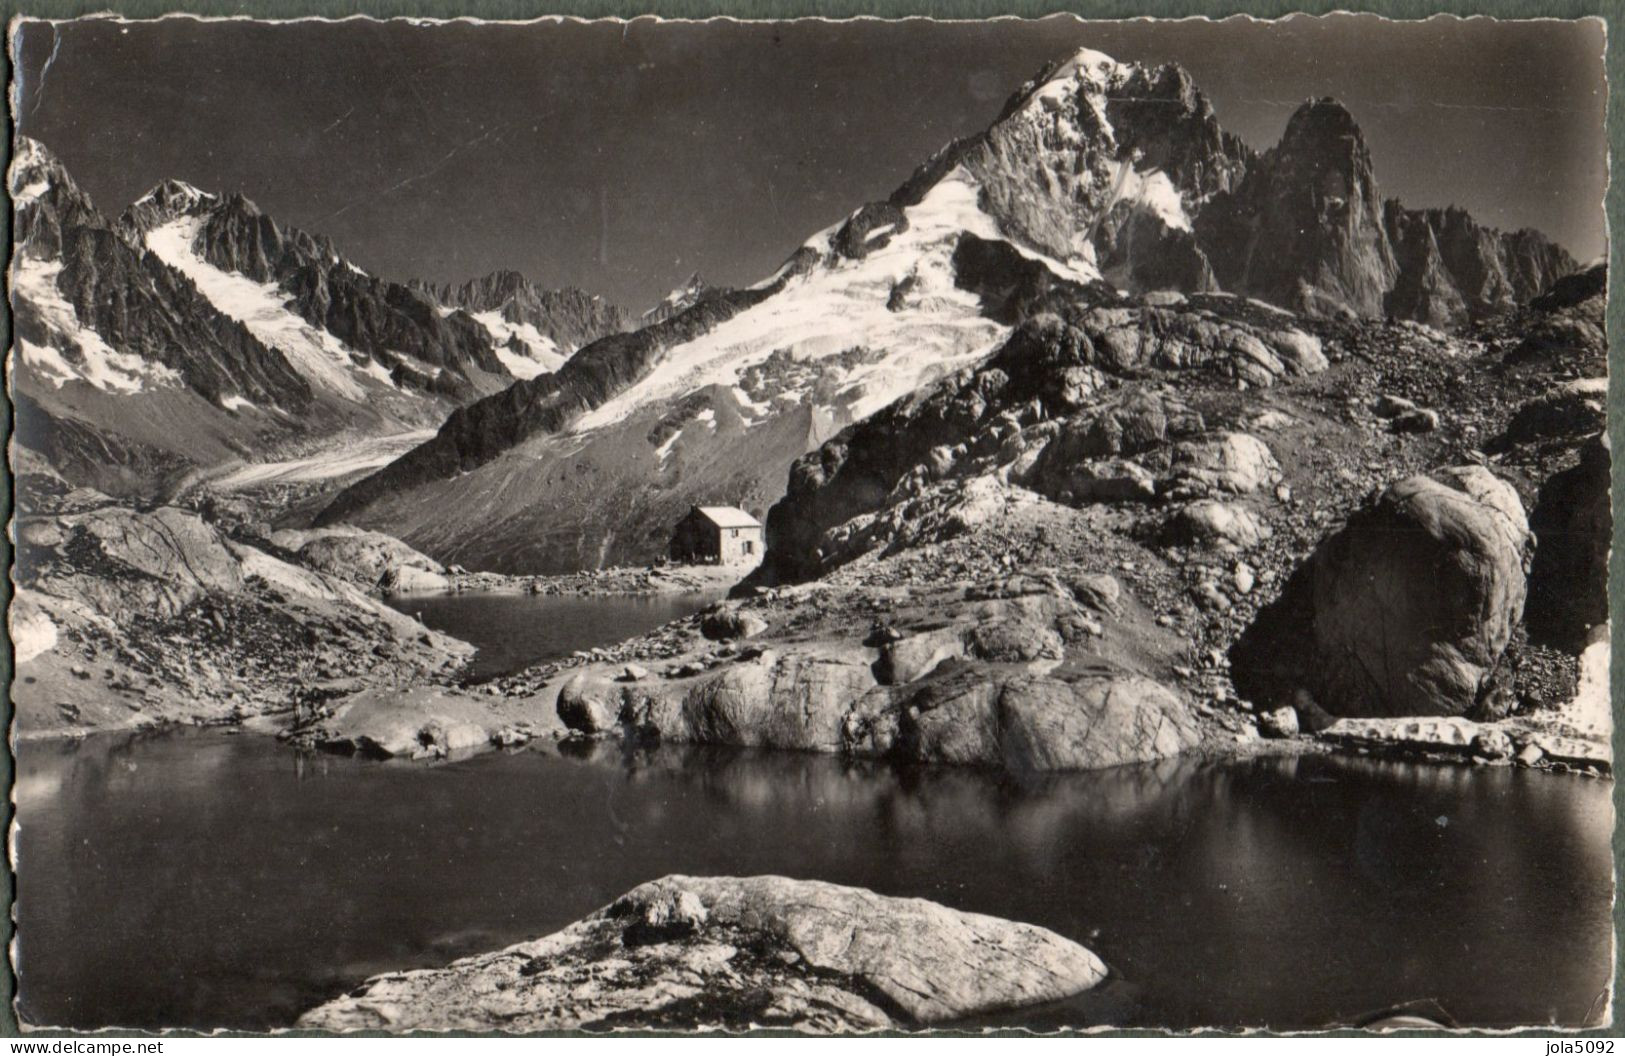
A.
x: 622, y: 157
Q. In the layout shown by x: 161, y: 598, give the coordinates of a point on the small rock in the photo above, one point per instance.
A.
x: 720, y: 626
x: 1243, y: 579
x: 1282, y: 722
x: 1531, y: 755
x: 633, y: 673
x: 882, y: 635
x: 510, y: 737
x: 1422, y: 420
x: 1210, y: 597
x: 1492, y: 744
x: 1389, y: 406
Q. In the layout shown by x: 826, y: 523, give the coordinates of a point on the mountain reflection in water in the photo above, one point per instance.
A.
x: 209, y: 880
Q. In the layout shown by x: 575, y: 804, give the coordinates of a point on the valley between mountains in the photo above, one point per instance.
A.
x: 1105, y: 439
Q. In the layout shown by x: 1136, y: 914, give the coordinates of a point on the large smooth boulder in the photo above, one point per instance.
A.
x: 1213, y: 523
x: 1416, y: 598
x: 728, y: 624
x: 1237, y: 463
x: 1032, y: 723
x: 589, y: 705
x: 1299, y: 352
x: 720, y: 952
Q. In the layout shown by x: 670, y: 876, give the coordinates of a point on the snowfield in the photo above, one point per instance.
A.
x: 842, y: 305
x: 323, y: 359
x: 542, y: 355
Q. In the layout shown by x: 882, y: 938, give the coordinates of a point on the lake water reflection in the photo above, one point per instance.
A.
x: 210, y: 880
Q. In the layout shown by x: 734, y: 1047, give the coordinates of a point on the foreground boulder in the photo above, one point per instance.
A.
x: 1405, y: 611
x: 719, y: 952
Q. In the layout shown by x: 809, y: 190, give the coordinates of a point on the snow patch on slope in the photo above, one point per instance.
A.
x: 541, y: 355
x: 30, y: 192
x: 32, y: 631
x: 76, y: 352
x: 1155, y: 191
x: 663, y: 452
x: 263, y: 308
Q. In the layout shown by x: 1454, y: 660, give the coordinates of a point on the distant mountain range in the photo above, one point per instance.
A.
x: 1111, y: 177
x: 193, y: 330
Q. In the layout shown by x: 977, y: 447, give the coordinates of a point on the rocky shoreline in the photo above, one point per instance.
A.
x: 1060, y: 669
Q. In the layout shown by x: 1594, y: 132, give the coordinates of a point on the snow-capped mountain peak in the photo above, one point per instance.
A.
x: 168, y: 201
x: 680, y: 299
x: 175, y: 191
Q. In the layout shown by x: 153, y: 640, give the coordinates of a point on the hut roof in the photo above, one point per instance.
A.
x: 728, y: 517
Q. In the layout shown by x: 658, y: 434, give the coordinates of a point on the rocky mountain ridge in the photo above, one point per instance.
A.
x: 1096, y: 173
x: 1307, y: 228
x: 544, y: 326
x: 195, y: 330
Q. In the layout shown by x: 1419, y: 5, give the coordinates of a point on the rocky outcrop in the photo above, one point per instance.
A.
x: 1575, y: 289
x: 568, y: 317
x: 1573, y: 521
x: 195, y: 330
x: 1066, y: 408
x: 132, y: 300
x: 1106, y: 157
x: 1570, y: 413
x: 371, y: 560
x: 1403, y: 612
x: 1032, y: 724
x: 140, y: 618
x: 695, y: 953
x: 1308, y: 229
x: 985, y: 683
